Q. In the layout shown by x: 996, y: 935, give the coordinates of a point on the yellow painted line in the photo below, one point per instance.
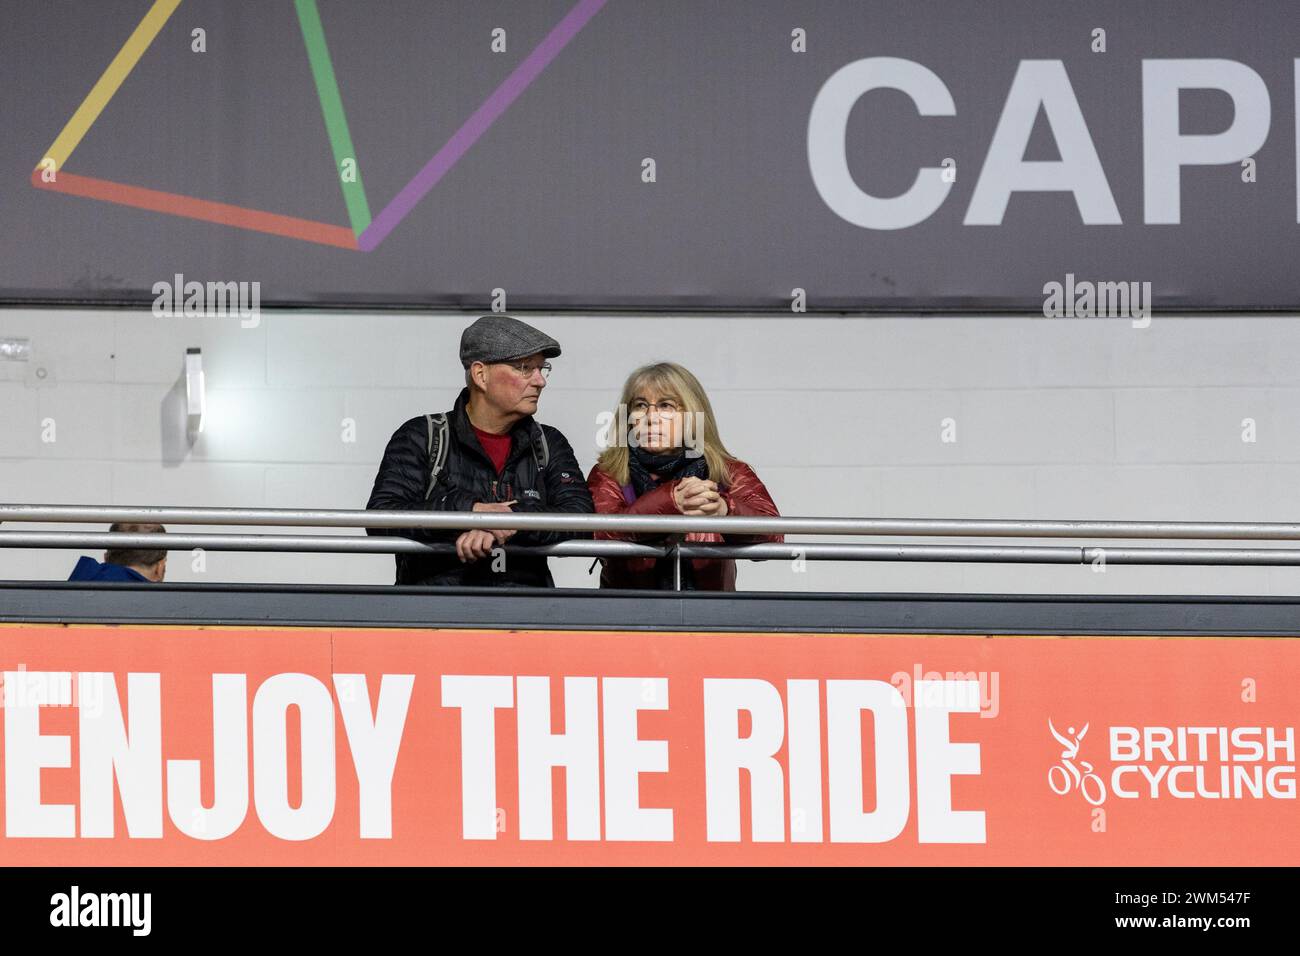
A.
x: 108, y: 84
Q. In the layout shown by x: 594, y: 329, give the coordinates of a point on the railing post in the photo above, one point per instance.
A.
x: 677, y: 566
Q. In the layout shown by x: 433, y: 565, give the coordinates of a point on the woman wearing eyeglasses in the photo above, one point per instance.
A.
x: 665, y: 457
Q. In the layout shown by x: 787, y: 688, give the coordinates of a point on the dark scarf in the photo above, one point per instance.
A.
x: 669, y: 467
x: 666, y: 467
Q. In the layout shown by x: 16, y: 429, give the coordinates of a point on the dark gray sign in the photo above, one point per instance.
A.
x: 677, y: 154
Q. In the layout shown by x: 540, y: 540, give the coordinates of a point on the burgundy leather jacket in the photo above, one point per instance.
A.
x: 744, y: 496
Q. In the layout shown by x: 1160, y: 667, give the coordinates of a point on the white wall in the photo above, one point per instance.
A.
x: 840, y: 416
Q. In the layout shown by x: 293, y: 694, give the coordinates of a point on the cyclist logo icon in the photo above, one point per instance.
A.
x: 1066, y: 775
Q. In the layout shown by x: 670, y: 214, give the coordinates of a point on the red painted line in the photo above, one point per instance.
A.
x: 187, y: 207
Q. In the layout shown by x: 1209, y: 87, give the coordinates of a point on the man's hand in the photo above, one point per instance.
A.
x: 500, y: 535
x: 699, y: 496
x: 474, y: 544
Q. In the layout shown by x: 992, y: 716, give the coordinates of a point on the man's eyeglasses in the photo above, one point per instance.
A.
x: 641, y: 408
x: 527, y: 370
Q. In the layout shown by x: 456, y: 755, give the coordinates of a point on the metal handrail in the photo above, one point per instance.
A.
x: 670, y: 527
x: 660, y: 524
x: 323, y: 543
x: 812, y: 551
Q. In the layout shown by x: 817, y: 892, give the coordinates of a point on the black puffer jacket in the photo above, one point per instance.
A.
x: 467, y: 476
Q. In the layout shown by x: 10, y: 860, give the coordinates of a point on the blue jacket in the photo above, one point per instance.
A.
x: 88, y: 569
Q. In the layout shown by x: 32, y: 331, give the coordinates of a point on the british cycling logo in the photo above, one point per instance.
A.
x: 1179, y: 762
x: 1067, y: 775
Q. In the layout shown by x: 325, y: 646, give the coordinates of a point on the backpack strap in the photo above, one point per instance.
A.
x: 437, y: 449
x: 541, y: 450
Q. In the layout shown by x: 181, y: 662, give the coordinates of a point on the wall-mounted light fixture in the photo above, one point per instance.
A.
x: 195, y: 399
x: 15, y: 350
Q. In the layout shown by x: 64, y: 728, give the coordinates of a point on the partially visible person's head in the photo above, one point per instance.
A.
x: 506, y: 364
x: 665, y: 407
x: 151, y: 563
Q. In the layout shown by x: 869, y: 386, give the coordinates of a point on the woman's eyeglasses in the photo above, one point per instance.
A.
x: 641, y: 408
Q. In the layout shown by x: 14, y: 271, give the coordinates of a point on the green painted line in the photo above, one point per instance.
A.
x: 331, y: 104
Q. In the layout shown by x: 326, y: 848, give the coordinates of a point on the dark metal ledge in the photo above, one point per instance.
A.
x: 315, y: 605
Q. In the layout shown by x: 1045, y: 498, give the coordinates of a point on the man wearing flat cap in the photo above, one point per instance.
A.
x: 487, y: 454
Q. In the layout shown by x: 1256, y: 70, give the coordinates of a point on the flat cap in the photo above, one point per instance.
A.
x: 502, y: 338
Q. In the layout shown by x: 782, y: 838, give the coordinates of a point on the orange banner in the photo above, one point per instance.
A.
x: 212, y: 746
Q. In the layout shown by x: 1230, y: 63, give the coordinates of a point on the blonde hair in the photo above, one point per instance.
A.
x: 670, y: 379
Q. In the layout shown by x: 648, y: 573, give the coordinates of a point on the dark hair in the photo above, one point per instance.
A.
x: 135, y: 557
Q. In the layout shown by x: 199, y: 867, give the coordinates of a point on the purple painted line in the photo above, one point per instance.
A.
x: 478, y: 124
